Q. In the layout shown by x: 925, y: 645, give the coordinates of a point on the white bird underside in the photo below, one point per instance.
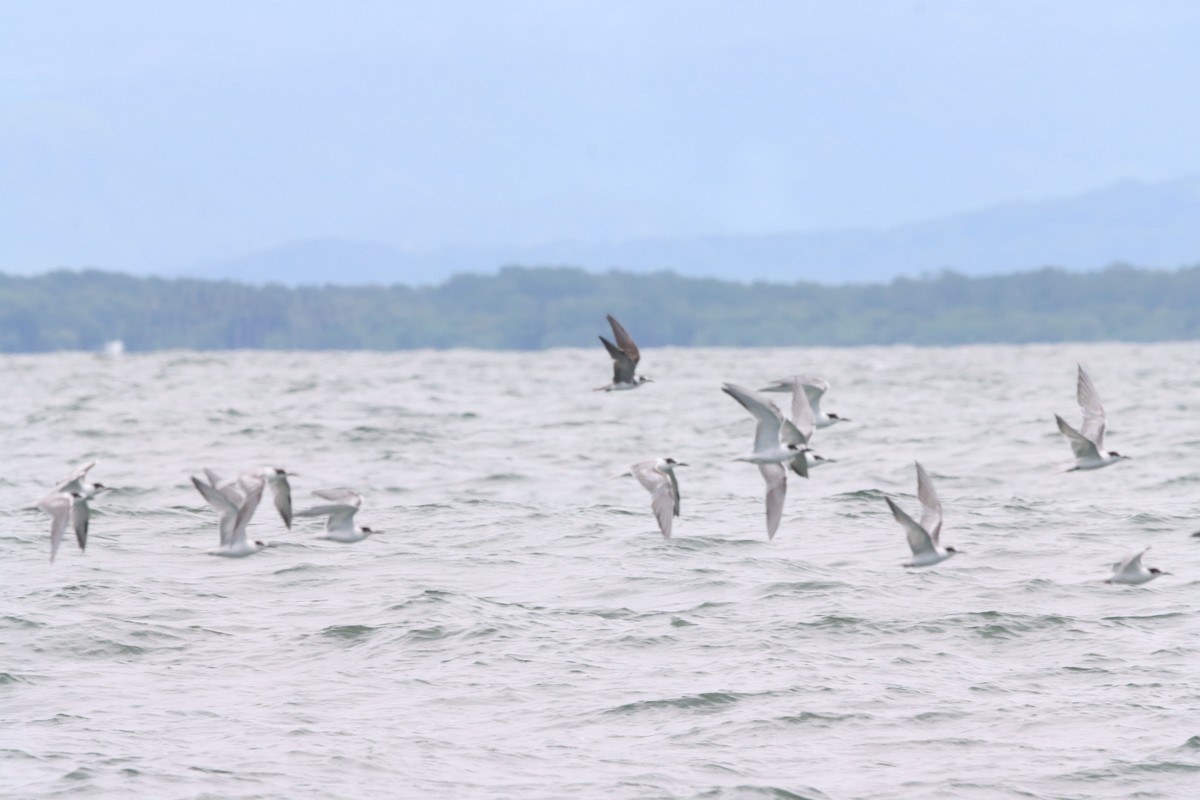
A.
x: 66, y: 509
x: 658, y: 478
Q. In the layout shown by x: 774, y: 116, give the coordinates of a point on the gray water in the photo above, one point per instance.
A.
x: 522, y: 630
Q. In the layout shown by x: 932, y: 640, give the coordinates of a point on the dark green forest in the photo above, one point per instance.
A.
x: 530, y: 308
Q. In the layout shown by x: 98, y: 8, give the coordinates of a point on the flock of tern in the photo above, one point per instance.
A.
x: 783, y: 442
x: 235, y: 500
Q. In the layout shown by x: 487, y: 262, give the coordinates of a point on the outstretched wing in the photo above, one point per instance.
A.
x: 623, y: 365
x: 770, y: 418
x: 624, y: 341
x: 74, y: 481
x: 931, y: 506
x: 58, y: 506
x: 664, y: 493
x: 1093, y: 411
x: 249, y: 505
x: 1083, y: 447
x: 919, y: 540
x: 776, y: 477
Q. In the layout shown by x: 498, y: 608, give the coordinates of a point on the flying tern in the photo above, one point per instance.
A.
x: 777, y: 441
x: 814, y: 390
x: 339, y: 515
x: 233, y: 517
x: 1087, y: 443
x: 1131, y: 571
x: 923, y: 536
x: 658, y: 476
x: 625, y: 356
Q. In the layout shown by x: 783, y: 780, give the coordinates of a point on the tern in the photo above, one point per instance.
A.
x: 814, y: 390
x: 1087, y: 443
x: 339, y: 515
x: 75, y: 483
x: 625, y: 356
x: 923, y: 536
x: 658, y: 476
x: 64, y: 508
x: 776, y: 441
x: 1130, y: 571
x: 234, y: 517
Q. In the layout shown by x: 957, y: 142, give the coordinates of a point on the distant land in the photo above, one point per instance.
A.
x: 1152, y: 225
x: 533, y: 308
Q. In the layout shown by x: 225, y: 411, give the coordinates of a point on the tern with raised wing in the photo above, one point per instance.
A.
x: 924, y: 536
x: 233, y: 517
x: 339, y: 515
x: 776, y: 442
x: 66, y: 508
x: 1087, y: 443
x: 625, y: 357
x: 1130, y: 571
x: 658, y: 477
x: 814, y: 390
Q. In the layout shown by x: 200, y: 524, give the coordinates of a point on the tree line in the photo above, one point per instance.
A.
x: 529, y: 308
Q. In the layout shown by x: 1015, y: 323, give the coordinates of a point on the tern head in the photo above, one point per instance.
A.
x: 952, y: 550
x: 1155, y: 571
x: 670, y: 462
x: 643, y: 379
x: 840, y: 419
x: 1115, y: 454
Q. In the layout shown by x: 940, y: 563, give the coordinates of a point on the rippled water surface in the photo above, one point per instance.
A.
x: 521, y: 629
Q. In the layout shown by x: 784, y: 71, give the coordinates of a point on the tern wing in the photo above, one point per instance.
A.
x: 664, y: 491
x: 931, y: 506
x: 340, y: 495
x: 249, y: 505
x: 1093, y: 411
x: 919, y: 540
x: 74, y: 481
x: 802, y: 413
x: 1132, y: 563
x: 770, y: 418
x: 80, y: 516
x: 58, y: 506
x: 219, y: 500
x: 623, y: 365
x: 624, y: 341
x: 281, y: 490
x: 340, y: 516
x: 1083, y: 447
x: 814, y: 389
x: 776, y: 477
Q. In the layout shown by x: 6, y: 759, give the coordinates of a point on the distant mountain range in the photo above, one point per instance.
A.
x: 1148, y: 225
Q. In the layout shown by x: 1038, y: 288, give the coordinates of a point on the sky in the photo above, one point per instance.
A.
x: 142, y: 136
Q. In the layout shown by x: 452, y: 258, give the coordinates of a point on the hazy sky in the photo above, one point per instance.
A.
x: 136, y: 135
